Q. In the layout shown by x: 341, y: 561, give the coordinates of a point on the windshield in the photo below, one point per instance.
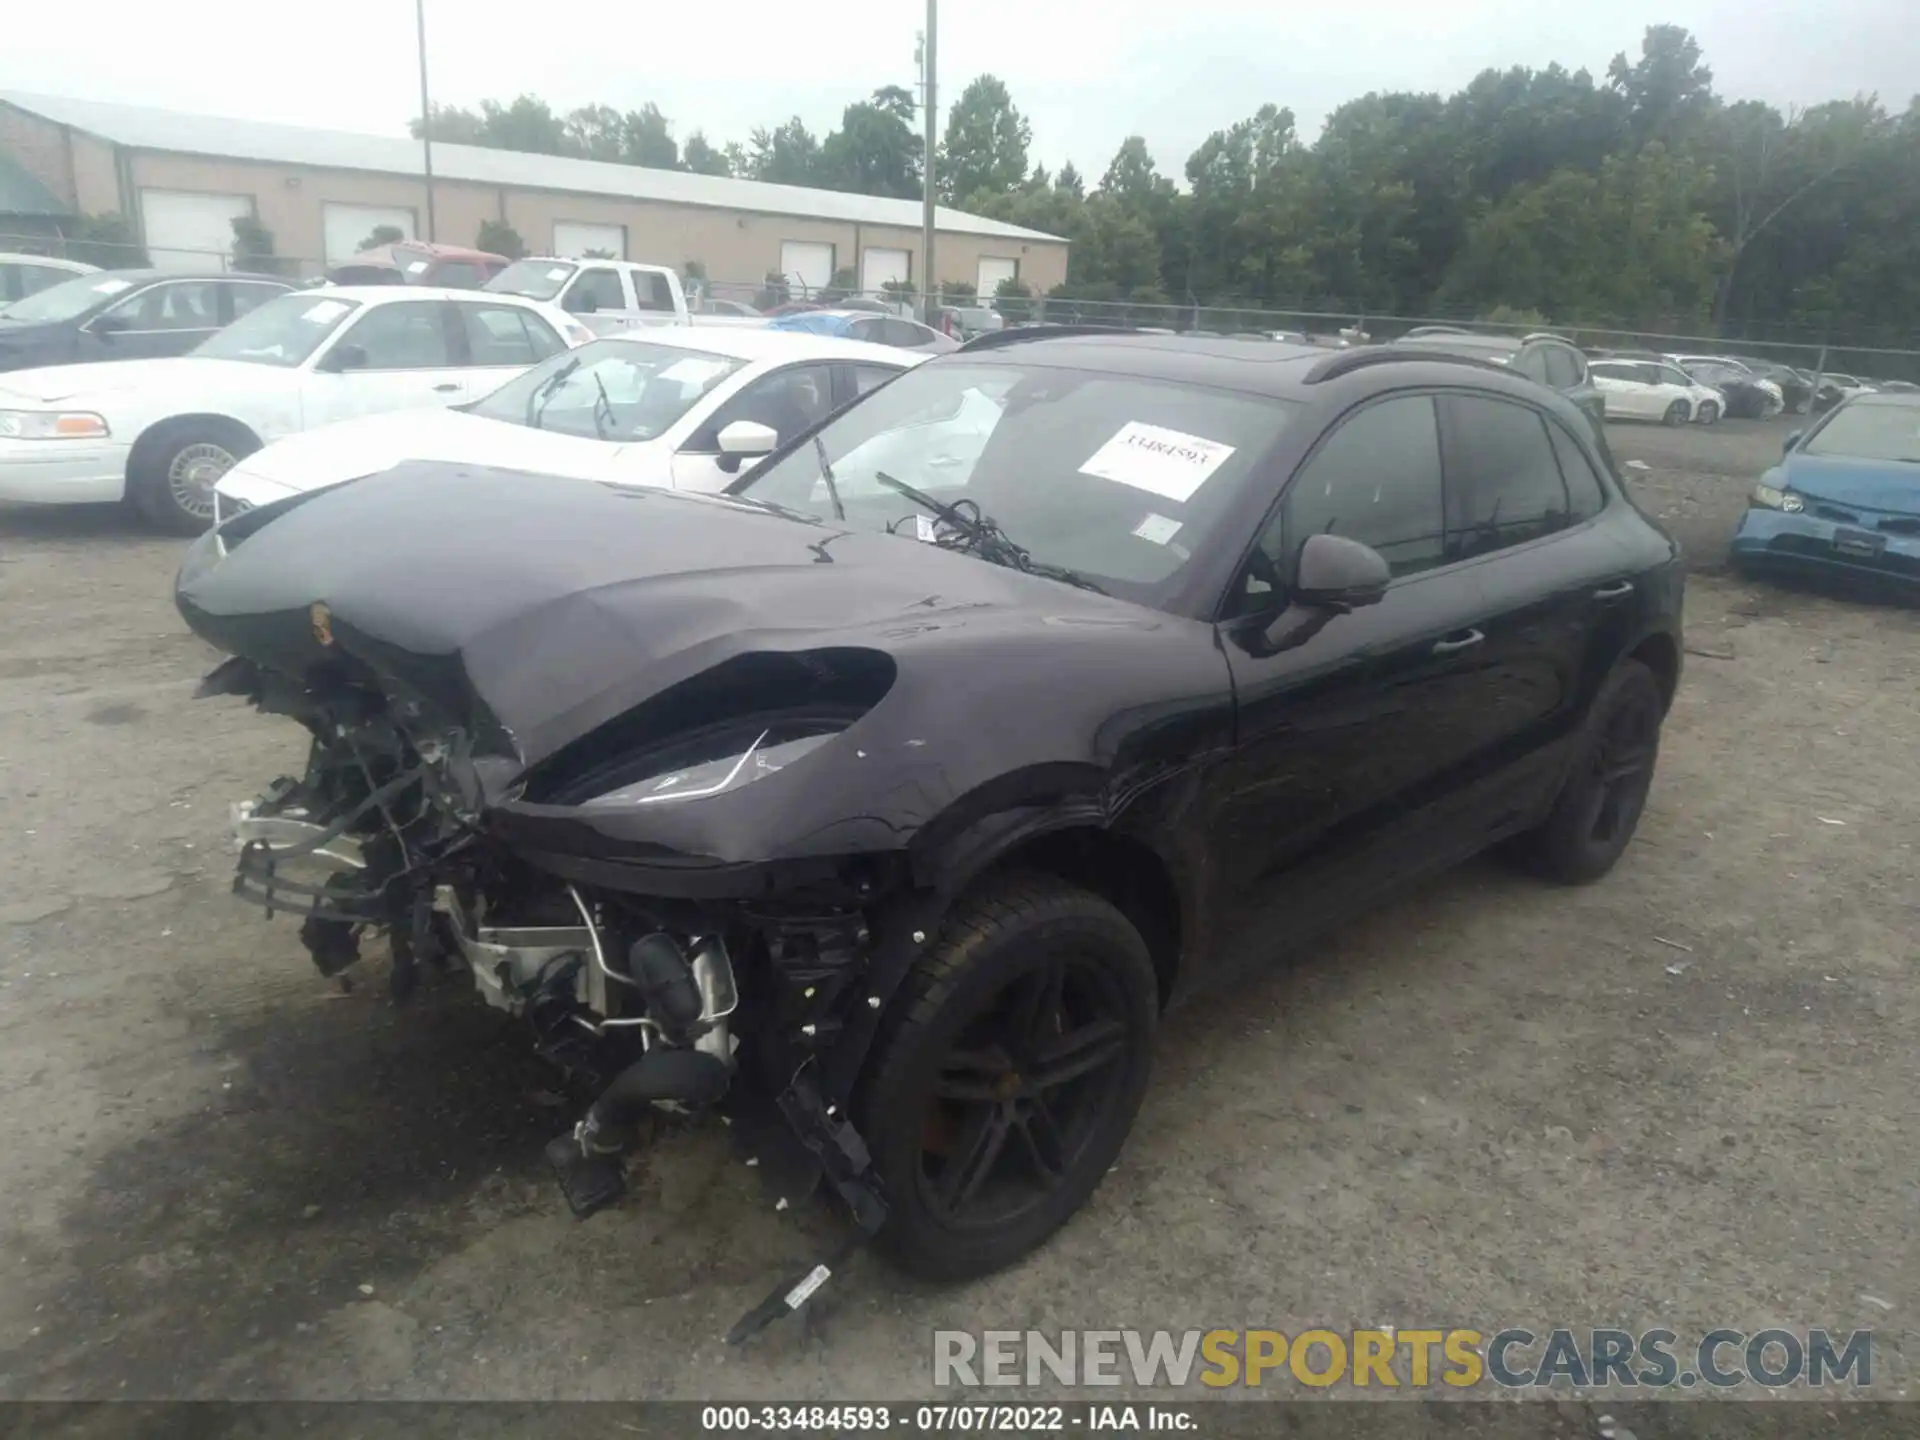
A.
x: 622, y: 390
x: 1117, y: 477
x: 535, y: 279
x: 284, y: 331
x: 68, y: 300
x: 1870, y: 432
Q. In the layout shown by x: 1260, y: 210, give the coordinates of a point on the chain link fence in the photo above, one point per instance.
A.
x: 972, y: 313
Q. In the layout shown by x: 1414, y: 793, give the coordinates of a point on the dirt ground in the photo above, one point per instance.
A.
x: 1685, y: 1096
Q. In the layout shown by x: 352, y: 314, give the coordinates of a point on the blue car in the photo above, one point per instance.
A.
x: 892, y: 330
x: 1845, y: 497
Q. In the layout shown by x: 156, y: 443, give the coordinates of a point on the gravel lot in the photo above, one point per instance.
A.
x: 1684, y: 1096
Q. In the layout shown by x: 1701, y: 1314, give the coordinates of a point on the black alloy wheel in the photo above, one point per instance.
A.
x: 1606, y: 789
x: 1012, y: 1072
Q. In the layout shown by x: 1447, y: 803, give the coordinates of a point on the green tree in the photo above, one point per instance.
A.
x: 1628, y: 247
x: 874, y: 152
x: 1013, y: 298
x: 1669, y: 88
x: 984, y: 149
x: 108, y: 241
x: 496, y: 237
x: 253, y: 247
x: 701, y: 158
x: 1068, y: 182
x: 786, y: 155
x: 383, y: 235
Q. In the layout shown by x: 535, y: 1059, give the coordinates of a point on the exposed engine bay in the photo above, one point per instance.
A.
x: 377, y: 844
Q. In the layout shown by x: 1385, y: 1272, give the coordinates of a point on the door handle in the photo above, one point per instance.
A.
x: 1618, y: 591
x: 448, y: 388
x: 1455, y: 644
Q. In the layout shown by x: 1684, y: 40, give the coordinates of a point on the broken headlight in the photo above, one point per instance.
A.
x: 717, y: 761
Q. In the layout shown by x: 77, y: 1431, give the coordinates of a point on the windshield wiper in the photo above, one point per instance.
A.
x: 535, y: 402
x: 605, y: 401
x: 826, y: 474
x: 984, y: 536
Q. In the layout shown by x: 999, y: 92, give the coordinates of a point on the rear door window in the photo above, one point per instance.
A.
x: 1563, y: 367
x: 596, y: 288
x: 507, y: 335
x: 1504, y: 485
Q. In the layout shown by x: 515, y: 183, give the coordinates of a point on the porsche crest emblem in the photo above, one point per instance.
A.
x: 322, y: 622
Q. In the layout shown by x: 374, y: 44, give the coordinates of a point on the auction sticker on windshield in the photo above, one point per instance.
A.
x: 693, y: 372
x: 1162, y: 462
x: 326, y: 310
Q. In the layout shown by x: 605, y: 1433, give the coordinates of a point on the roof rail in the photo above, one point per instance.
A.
x: 1437, y: 330
x: 1019, y: 334
x: 1345, y: 362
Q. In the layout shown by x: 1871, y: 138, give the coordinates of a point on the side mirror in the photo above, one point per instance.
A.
x: 1793, y: 439
x: 748, y: 437
x: 344, y: 357
x: 1336, y: 573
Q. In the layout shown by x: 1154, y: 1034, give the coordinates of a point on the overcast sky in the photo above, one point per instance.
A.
x: 1086, y: 74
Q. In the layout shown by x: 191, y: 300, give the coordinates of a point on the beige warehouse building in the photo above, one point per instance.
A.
x: 181, y: 181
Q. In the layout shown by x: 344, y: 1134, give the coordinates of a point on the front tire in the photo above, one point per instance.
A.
x: 172, y: 479
x: 1600, y: 802
x: 1009, y: 1075
x: 1709, y: 413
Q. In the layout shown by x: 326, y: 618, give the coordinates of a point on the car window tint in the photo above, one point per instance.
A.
x: 507, y: 335
x: 865, y: 377
x: 1563, y: 370
x: 458, y: 275
x: 868, y: 330
x: 1532, y: 364
x: 651, y: 292
x: 177, y: 305
x: 1502, y: 478
x: 1585, y: 494
x: 905, y: 333
x: 790, y: 401
x: 599, y: 284
x: 1376, y: 479
x: 407, y: 336
x: 29, y: 278
x: 246, y: 297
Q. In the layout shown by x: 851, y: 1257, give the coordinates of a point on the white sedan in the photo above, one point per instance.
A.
x: 681, y: 409
x: 161, y: 433
x: 1653, y: 390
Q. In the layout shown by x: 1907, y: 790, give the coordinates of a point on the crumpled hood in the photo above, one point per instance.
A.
x: 353, y: 448
x: 1859, y: 484
x: 532, y: 609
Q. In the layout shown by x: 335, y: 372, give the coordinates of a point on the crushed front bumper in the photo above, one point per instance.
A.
x: 1815, y: 544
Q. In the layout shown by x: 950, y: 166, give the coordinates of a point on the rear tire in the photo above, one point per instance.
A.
x: 1601, y: 800
x: 171, y: 479
x: 1026, y: 1030
x: 1676, y: 414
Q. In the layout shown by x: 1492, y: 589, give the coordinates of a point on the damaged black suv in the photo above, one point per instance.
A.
x: 885, y: 802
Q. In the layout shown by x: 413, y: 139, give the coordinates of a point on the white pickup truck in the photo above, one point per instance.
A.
x: 609, y: 297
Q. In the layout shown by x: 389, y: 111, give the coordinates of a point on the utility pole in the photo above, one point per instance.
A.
x: 930, y: 110
x: 426, y: 111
